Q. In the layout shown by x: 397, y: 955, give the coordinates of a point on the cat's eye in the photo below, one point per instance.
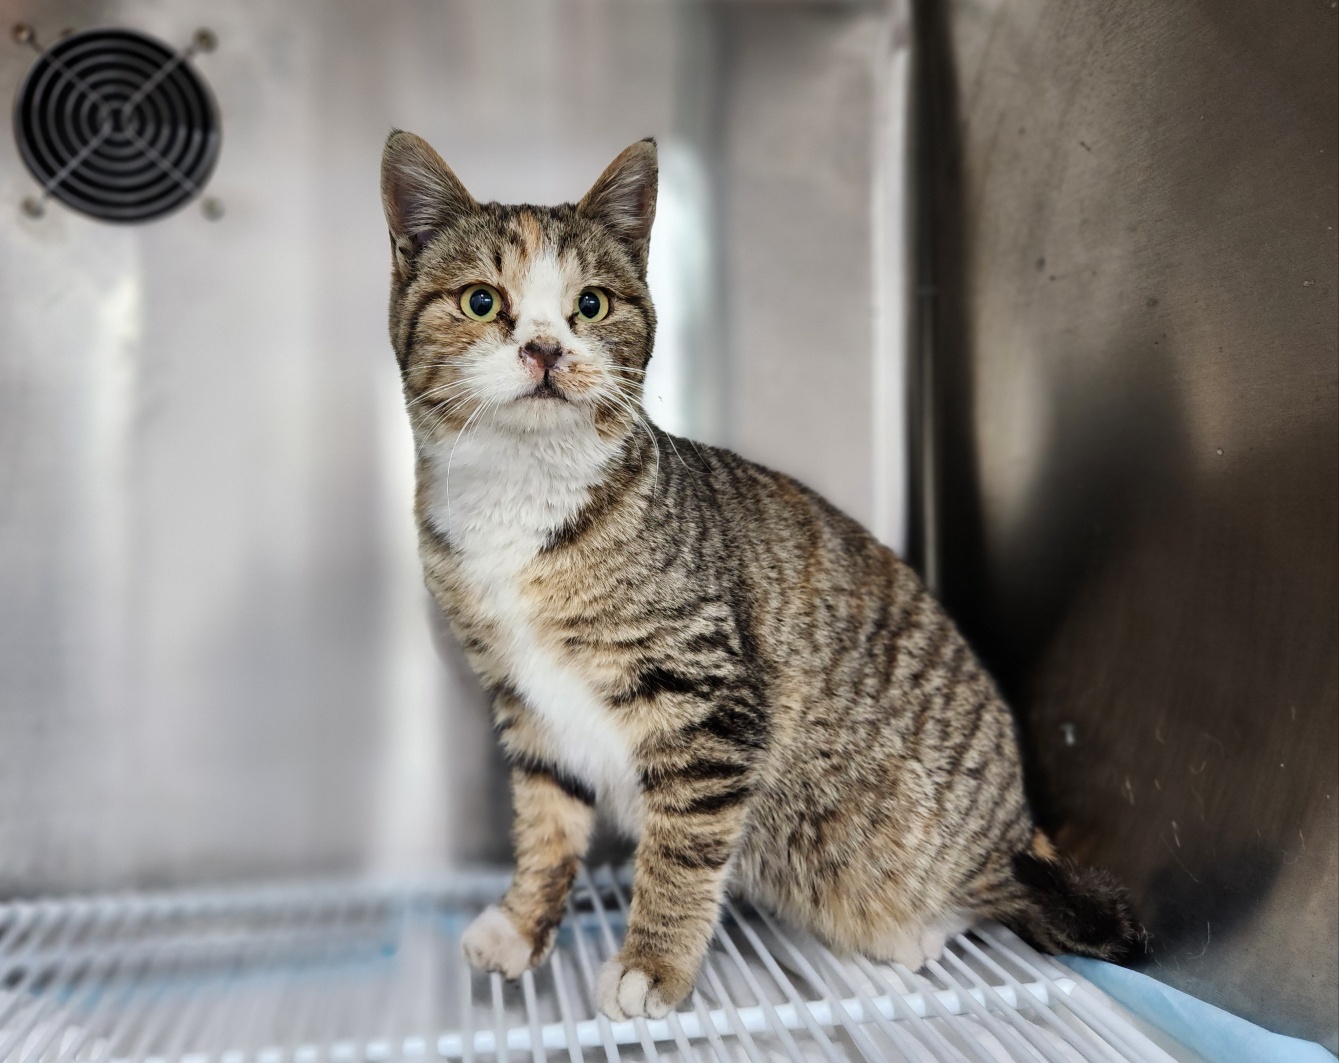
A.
x: 593, y: 304
x: 481, y: 302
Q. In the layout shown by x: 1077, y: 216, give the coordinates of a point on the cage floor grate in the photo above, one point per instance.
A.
x: 362, y: 974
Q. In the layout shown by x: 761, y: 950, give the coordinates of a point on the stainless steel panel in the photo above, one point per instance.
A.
x: 1133, y: 416
x: 216, y: 656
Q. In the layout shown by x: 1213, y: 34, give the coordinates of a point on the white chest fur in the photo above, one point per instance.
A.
x: 502, y: 498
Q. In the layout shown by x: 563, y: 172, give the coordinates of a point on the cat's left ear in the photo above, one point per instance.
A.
x: 419, y: 194
x: 624, y: 198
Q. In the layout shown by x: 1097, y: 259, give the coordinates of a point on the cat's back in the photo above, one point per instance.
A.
x: 818, y: 584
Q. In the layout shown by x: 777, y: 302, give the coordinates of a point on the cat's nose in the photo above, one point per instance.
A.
x: 542, y: 353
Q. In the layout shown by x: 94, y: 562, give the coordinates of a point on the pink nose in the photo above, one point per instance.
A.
x: 543, y: 354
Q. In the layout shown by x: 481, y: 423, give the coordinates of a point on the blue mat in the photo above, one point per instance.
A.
x: 1215, y: 1034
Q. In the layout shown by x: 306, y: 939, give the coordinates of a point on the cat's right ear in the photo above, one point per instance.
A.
x: 419, y: 194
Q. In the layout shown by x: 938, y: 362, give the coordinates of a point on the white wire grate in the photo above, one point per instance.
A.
x: 362, y: 974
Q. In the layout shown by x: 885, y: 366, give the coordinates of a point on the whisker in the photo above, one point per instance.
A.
x: 625, y: 403
x: 655, y: 478
x: 676, y: 450
x: 442, y: 416
x: 497, y: 405
x: 448, y: 384
x: 450, y: 359
x: 441, y: 389
x: 436, y: 398
x: 452, y: 457
x: 445, y: 415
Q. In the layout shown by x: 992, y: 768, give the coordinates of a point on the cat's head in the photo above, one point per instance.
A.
x: 528, y: 318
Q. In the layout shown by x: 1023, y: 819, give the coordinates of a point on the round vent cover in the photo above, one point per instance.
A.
x: 117, y: 125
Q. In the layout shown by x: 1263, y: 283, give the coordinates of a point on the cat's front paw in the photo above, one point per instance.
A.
x: 492, y: 943
x: 628, y: 990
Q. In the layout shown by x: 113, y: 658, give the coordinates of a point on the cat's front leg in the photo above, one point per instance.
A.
x: 551, y: 833
x: 691, y: 827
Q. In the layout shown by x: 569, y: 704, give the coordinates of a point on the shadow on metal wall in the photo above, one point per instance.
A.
x: 1128, y: 381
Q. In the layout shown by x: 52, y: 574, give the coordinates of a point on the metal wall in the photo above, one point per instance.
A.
x: 217, y: 659
x: 1131, y: 416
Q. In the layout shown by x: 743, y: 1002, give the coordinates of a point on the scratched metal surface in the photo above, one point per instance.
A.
x: 1134, y: 405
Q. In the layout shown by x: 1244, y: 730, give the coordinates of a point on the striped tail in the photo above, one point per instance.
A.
x: 1060, y: 907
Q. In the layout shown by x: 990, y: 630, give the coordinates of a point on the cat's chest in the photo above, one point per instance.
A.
x: 498, y: 526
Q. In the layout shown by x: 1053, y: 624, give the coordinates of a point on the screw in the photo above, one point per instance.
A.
x: 205, y: 40
x: 32, y: 207
x: 22, y: 33
x: 212, y: 208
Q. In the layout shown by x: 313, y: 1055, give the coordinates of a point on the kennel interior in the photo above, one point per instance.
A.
x: 1084, y: 374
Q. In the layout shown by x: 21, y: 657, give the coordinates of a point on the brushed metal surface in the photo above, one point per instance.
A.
x: 217, y: 659
x: 1134, y: 423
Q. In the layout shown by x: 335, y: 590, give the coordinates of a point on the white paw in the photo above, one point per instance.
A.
x: 627, y: 993
x: 905, y: 947
x: 933, y: 940
x: 492, y: 943
x: 914, y: 947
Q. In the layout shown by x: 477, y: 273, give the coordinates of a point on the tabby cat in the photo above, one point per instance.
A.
x: 733, y: 671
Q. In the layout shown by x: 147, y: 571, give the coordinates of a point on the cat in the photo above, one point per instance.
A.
x: 744, y: 680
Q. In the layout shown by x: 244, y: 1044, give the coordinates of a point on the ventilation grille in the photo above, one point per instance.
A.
x: 117, y: 125
x: 348, y: 974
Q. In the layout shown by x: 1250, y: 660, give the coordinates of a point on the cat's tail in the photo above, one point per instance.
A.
x: 1059, y: 906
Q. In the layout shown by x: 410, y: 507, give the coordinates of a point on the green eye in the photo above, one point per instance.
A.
x: 481, y: 302
x: 593, y: 304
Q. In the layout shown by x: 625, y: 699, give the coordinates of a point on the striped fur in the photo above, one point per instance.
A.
x: 739, y: 674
